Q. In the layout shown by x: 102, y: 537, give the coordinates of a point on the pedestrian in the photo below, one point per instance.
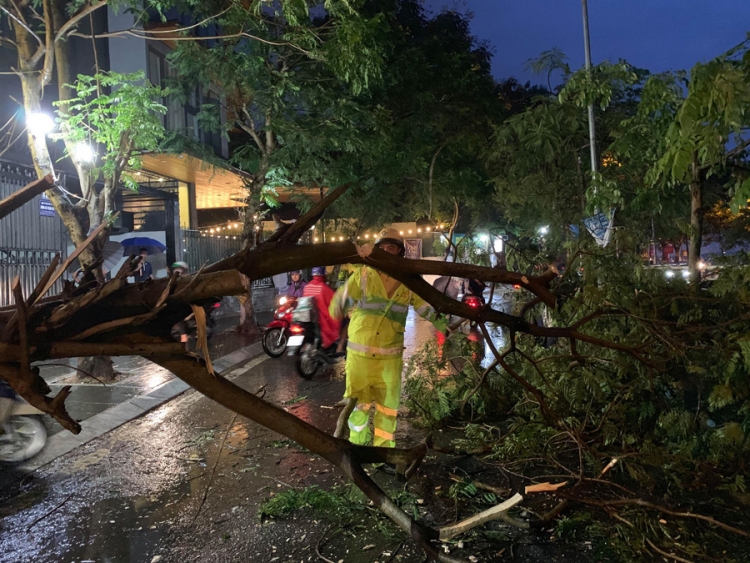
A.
x: 379, y: 306
x: 319, y: 290
x: 144, y: 271
x: 297, y: 287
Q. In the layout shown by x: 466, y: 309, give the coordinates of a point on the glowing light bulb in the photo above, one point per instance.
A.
x: 39, y: 123
x: 84, y: 153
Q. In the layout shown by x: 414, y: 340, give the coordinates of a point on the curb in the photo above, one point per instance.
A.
x: 64, y: 442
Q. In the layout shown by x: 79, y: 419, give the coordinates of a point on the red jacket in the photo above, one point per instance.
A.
x: 329, y: 327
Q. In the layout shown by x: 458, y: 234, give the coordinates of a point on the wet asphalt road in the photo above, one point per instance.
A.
x: 133, y: 494
x: 136, y: 494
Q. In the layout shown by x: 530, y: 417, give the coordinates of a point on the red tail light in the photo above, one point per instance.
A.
x: 516, y: 287
x: 473, y: 302
x: 216, y: 305
x: 296, y: 329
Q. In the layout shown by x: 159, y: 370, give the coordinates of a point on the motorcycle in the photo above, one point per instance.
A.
x: 473, y: 301
x: 306, y: 342
x: 22, y: 432
x: 277, y: 331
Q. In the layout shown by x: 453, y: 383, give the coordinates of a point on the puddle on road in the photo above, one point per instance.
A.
x: 114, y: 530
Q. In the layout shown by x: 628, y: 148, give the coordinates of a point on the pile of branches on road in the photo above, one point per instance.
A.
x: 120, y: 318
x: 650, y: 433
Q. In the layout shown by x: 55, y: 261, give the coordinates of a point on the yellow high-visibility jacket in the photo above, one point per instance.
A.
x: 377, y: 325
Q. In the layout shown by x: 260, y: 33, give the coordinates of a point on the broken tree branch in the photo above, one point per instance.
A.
x: 25, y: 194
x: 488, y: 515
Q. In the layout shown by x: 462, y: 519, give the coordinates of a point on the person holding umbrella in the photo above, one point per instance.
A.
x: 144, y: 271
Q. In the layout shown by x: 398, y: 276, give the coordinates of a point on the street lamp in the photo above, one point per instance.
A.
x: 544, y: 230
x: 39, y: 123
x: 83, y: 152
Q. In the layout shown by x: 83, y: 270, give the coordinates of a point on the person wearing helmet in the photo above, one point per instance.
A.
x: 297, y: 287
x: 319, y: 290
x: 379, y: 306
x: 180, y: 267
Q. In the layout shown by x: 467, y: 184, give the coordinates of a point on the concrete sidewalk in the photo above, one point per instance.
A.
x: 161, y: 386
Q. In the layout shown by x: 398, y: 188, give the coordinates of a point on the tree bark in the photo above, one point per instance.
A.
x: 100, y: 367
x: 696, y: 221
x: 248, y: 324
x: 25, y: 195
x: 251, y: 235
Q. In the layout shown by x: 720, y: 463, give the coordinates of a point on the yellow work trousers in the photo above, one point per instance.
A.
x: 373, y: 380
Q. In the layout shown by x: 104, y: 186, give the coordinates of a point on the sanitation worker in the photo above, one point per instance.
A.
x: 379, y: 305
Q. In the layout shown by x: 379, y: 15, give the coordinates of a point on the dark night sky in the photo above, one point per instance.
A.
x: 654, y: 34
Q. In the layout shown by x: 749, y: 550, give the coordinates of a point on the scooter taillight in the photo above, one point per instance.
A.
x: 473, y: 302
x: 216, y: 305
x: 296, y: 329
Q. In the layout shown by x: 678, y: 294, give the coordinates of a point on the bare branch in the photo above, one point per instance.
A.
x: 74, y: 20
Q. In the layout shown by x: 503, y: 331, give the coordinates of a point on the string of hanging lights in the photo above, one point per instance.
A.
x: 233, y: 229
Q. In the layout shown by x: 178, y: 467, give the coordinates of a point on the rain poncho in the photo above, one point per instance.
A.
x: 329, y: 328
x: 374, y: 352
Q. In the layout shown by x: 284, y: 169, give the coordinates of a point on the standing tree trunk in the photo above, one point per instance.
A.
x: 696, y: 221
x: 251, y: 235
x: 100, y: 367
x: 248, y: 324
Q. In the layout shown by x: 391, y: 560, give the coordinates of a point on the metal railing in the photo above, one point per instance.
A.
x: 29, y: 237
x: 199, y: 248
x: 29, y: 266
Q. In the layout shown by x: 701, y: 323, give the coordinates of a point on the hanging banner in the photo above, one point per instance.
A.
x: 413, y: 248
x: 600, y: 226
x: 45, y: 207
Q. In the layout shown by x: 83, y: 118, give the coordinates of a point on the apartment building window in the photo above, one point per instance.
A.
x: 159, y: 73
x: 184, y: 116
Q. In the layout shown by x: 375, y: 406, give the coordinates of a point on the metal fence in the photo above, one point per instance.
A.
x: 200, y: 248
x: 29, y: 237
x: 27, y: 227
x: 29, y: 265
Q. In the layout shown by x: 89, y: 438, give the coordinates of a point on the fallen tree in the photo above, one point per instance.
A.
x: 117, y: 318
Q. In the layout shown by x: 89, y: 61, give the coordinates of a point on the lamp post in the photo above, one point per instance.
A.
x: 587, y: 54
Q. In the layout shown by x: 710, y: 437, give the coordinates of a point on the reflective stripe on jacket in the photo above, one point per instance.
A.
x: 377, y: 325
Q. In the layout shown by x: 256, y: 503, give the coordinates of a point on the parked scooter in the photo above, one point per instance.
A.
x: 22, y: 433
x: 306, y: 342
x: 277, y: 331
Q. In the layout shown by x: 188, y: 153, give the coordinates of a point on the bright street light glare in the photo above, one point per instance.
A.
x: 685, y: 274
x: 669, y: 273
x: 84, y: 153
x: 543, y: 230
x: 39, y: 123
x: 484, y: 238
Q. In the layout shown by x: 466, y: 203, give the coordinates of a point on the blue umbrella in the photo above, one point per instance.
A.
x: 133, y: 245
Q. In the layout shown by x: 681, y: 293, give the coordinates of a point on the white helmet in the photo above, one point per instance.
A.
x: 391, y: 235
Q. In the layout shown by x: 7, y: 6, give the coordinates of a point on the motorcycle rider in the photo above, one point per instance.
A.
x: 297, y: 287
x: 379, y: 306
x: 319, y: 290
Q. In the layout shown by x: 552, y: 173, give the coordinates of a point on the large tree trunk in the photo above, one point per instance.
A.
x: 248, y: 324
x: 696, y: 222
x: 101, y: 367
x: 251, y: 233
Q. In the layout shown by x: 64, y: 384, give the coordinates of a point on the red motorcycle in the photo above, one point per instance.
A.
x: 278, y: 330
